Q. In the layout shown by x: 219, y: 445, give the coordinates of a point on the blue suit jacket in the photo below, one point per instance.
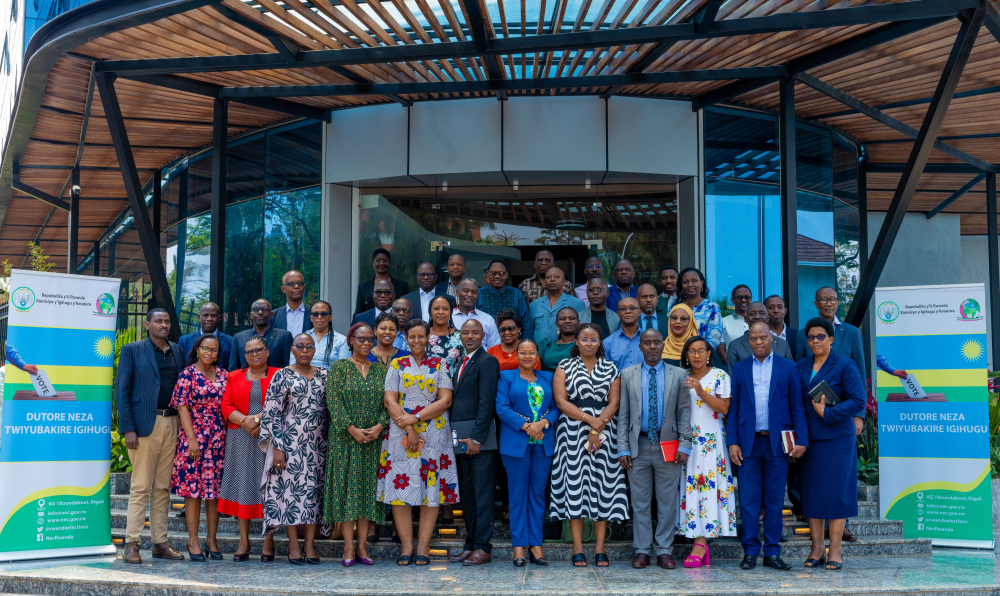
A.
x: 512, y: 398
x: 785, y: 406
x: 792, y: 337
x: 225, y: 347
x: 842, y: 376
x: 279, y: 319
x: 847, y: 343
x: 367, y: 317
x: 137, y: 388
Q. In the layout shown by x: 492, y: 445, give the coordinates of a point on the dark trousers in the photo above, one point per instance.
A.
x: 793, y: 488
x: 762, y: 485
x: 476, y: 488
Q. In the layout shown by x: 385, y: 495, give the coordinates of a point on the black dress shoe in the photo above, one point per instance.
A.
x: 215, y: 555
x: 313, y: 560
x: 775, y: 562
x: 748, y: 562
x: 197, y: 558
x: 299, y: 561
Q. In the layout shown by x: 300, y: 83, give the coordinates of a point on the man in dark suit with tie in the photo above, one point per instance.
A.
x: 279, y: 341
x: 147, y: 373
x: 472, y: 407
x: 776, y: 311
x: 209, y: 317
x: 766, y: 399
x: 649, y: 315
x: 381, y: 262
x: 383, y: 295
x: 427, y: 289
x: 739, y: 348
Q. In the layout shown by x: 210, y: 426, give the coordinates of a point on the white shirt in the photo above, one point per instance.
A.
x: 425, y: 303
x: 461, y: 365
x: 784, y: 329
x: 735, y: 326
x: 581, y: 292
x: 491, y: 336
x: 294, y: 319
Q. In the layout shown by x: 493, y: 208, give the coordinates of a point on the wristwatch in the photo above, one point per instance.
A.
x: 547, y: 424
x: 475, y: 441
x: 418, y: 416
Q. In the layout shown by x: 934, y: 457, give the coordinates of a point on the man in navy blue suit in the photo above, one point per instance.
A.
x: 209, y: 318
x: 767, y: 399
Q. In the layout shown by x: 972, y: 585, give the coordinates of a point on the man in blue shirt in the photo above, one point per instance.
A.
x: 622, y: 346
x: 545, y: 309
x: 209, y: 317
x: 654, y: 402
x: 623, y: 274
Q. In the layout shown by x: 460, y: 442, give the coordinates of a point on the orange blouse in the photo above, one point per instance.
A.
x: 509, y: 361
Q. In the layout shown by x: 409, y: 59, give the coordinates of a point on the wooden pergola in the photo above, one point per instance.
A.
x: 115, y: 89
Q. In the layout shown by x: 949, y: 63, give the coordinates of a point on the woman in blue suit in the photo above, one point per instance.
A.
x: 828, y: 472
x: 528, y: 415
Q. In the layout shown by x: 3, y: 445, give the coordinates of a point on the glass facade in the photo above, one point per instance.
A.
x: 743, y: 208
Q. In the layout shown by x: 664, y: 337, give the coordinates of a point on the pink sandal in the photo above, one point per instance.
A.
x: 695, y: 561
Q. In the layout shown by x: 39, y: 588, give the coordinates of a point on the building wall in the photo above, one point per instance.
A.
x: 975, y: 260
x: 926, y: 251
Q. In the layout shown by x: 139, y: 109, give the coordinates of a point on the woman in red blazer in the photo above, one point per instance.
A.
x: 242, y: 405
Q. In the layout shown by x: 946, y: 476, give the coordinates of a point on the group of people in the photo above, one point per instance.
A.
x: 582, y: 403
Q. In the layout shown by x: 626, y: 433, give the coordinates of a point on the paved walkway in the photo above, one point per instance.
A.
x: 946, y: 572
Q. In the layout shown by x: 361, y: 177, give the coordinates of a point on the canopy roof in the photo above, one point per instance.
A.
x: 293, y: 59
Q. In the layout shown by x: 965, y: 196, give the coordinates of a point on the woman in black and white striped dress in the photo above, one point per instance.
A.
x: 587, y: 480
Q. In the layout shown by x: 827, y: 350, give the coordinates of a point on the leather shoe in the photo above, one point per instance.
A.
x: 665, y: 561
x: 748, y: 562
x: 775, y: 562
x: 461, y: 557
x: 478, y: 557
x: 165, y: 551
x: 132, y: 553
x: 640, y: 561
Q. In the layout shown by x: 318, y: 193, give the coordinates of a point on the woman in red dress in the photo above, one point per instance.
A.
x: 200, y: 442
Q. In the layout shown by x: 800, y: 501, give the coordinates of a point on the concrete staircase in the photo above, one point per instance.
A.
x: 876, y: 537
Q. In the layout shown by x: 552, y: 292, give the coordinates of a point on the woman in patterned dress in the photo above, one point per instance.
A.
x: 444, y: 342
x: 293, y: 437
x: 420, y: 471
x: 587, y: 479
x: 707, y: 509
x: 242, y: 405
x: 692, y: 290
x: 200, y: 442
x: 355, y: 394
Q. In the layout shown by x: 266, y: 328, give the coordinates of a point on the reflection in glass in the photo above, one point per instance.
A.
x: 292, y: 240
x: 188, y: 268
x: 244, y: 264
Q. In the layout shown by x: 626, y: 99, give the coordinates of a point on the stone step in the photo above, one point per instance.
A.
x: 723, y: 548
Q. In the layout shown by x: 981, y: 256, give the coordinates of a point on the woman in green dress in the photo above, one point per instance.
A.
x: 552, y: 352
x: 355, y: 398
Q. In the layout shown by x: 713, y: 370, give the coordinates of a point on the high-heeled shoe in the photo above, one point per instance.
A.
x: 299, y: 561
x: 196, y: 558
x: 519, y: 562
x: 313, y: 560
x: 540, y: 561
x: 215, y: 555
x: 267, y: 558
x: 240, y: 558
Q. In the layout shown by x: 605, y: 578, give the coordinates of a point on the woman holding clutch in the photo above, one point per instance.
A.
x: 828, y: 472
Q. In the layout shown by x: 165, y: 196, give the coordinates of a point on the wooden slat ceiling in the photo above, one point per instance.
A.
x: 164, y: 124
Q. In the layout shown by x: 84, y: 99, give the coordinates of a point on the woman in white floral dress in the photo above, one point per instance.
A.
x: 707, y: 508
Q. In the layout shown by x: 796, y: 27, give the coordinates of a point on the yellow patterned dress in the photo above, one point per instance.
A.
x: 429, y: 476
x: 707, y: 501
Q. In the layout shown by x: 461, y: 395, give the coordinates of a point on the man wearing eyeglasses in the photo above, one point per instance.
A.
x: 497, y: 295
x: 598, y: 312
x: 292, y: 317
x: 427, y: 289
x: 739, y: 348
x: 622, y: 346
x: 593, y: 268
x: 279, y: 341
x: 209, y: 319
x: 381, y: 262
x: 403, y: 311
x: 383, y: 295
x: 735, y: 324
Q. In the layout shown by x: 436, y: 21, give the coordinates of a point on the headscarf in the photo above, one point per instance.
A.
x: 673, y: 345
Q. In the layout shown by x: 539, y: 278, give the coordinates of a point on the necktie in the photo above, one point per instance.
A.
x: 654, y: 406
x: 461, y: 369
x: 649, y: 323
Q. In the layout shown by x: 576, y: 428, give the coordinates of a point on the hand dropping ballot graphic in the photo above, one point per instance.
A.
x: 43, y: 386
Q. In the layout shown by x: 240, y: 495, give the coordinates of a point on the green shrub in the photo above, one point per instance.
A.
x: 119, y: 453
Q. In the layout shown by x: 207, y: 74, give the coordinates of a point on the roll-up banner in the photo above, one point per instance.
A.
x: 55, y: 425
x: 933, y: 425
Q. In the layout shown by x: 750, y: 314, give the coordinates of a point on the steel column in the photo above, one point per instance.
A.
x: 922, y: 147
x: 73, y: 225
x: 157, y: 204
x: 97, y: 258
x: 136, y: 199
x: 994, y: 260
x: 220, y: 172
x: 866, y: 339
x: 789, y: 199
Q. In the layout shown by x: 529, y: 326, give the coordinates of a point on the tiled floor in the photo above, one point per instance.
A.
x: 947, y: 572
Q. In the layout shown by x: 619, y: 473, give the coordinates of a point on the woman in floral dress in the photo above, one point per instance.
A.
x: 201, y: 442
x: 707, y: 507
x: 293, y: 436
x: 443, y: 341
x: 420, y: 472
x: 692, y: 290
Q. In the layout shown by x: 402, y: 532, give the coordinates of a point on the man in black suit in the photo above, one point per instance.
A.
x: 209, y: 319
x: 383, y: 295
x: 776, y: 311
x: 381, y: 261
x: 472, y: 407
x: 427, y: 289
x: 147, y: 373
x: 292, y: 316
x: 456, y: 273
x: 279, y: 341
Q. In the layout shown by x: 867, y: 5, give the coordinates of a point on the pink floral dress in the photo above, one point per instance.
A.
x: 201, y: 478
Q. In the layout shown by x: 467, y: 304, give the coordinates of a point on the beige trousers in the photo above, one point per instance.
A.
x: 152, y: 467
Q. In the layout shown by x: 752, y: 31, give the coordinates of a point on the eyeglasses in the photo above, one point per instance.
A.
x: 628, y: 309
x: 593, y: 267
x: 523, y: 353
x: 381, y: 261
x: 677, y: 319
x: 543, y: 260
x: 496, y: 273
x: 320, y: 314
x: 828, y: 300
x: 253, y: 351
x: 697, y: 352
x: 589, y: 341
x: 207, y: 350
x: 368, y: 339
x: 305, y: 347
x: 507, y: 329
x: 294, y: 284
x: 261, y: 309
x: 384, y: 292
x: 426, y: 274
x: 742, y: 298
x: 817, y: 337
x: 403, y: 309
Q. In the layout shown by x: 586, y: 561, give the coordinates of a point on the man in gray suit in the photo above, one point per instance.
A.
x: 739, y: 348
x: 147, y: 373
x: 655, y: 406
